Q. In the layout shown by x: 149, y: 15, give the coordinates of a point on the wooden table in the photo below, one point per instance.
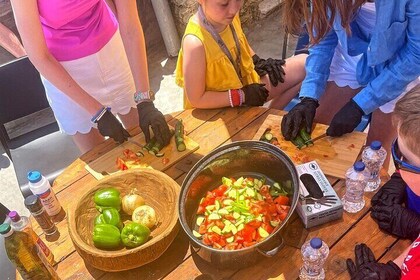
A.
x: 212, y: 128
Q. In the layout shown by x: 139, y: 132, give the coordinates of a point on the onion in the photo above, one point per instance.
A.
x: 145, y: 215
x: 131, y: 201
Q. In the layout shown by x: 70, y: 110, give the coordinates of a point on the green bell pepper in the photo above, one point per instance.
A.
x: 106, y: 236
x: 107, y: 198
x: 134, y: 234
x: 109, y: 216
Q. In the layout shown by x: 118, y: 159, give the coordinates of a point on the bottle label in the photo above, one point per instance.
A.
x: 43, y: 247
x: 50, y: 202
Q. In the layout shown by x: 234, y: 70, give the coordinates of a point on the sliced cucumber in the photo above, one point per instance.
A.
x: 217, y: 230
x: 196, y: 234
x: 217, y: 203
x: 227, y: 201
x: 223, y: 211
x: 230, y: 239
x: 262, y: 232
x: 236, y: 215
x: 274, y: 223
x: 214, y: 216
x: 200, y: 220
x: 240, y: 227
x: 233, y: 229
x: 226, y: 181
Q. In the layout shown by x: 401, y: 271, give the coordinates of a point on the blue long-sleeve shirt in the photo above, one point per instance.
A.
x: 390, y: 56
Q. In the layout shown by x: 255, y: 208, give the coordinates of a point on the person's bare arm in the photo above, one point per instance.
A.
x: 194, y: 67
x: 29, y: 26
x: 400, y: 259
x: 134, y: 43
x: 10, y: 42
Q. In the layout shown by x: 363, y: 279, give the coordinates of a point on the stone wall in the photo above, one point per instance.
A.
x: 184, y: 9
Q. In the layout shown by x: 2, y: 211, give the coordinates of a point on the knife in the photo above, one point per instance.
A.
x: 316, y: 138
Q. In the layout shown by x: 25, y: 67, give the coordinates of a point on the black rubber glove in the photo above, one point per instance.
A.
x: 367, y: 268
x: 108, y: 125
x: 150, y: 116
x: 397, y: 220
x: 270, y: 66
x: 392, y: 192
x: 255, y: 94
x: 302, y: 113
x: 346, y: 120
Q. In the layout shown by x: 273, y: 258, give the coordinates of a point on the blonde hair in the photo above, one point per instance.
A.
x: 406, y: 117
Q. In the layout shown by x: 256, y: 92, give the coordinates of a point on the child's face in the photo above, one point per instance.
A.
x: 412, y: 179
x: 221, y: 12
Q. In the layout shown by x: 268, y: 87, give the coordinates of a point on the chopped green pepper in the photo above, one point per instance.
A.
x: 106, y: 236
x: 134, y: 234
x: 306, y: 137
x: 298, y: 142
x: 107, y: 198
x: 109, y: 216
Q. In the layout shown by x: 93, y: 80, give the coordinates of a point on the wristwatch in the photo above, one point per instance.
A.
x: 144, y: 96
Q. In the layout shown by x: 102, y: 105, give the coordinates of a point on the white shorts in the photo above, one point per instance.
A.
x: 105, y: 75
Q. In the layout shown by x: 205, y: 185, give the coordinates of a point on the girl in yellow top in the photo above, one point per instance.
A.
x: 217, y: 67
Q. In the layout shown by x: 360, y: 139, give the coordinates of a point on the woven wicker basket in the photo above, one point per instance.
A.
x: 159, y: 191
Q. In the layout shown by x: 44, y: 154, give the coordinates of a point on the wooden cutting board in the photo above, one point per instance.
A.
x: 334, y: 155
x: 106, y: 164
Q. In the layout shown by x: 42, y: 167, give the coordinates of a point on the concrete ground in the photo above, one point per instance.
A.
x: 265, y: 37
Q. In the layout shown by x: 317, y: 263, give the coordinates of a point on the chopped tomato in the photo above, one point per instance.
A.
x: 282, y: 200
x: 129, y: 154
x: 220, y: 191
x: 249, y: 244
x: 254, y: 224
x: 267, y: 228
x: 121, y: 164
x: 202, y: 229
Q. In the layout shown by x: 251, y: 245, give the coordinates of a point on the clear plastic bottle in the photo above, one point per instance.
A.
x: 40, y: 187
x: 314, y: 255
x: 22, y: 252
x: 373, y: 157
x: 356, y: 180
x: 22, y: 223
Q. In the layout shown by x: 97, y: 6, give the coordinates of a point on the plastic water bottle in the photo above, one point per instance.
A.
x: 314, y: 255
x: 373, y: 157
x: 40, y: 187
x: 356, y: 181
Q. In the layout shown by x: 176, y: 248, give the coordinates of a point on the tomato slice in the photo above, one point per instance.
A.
x: 121, y: 164
x: 282, y: 200
x: 268, y: 228
x: 220, y: 191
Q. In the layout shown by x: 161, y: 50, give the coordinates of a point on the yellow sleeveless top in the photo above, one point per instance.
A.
x: 220, y: 73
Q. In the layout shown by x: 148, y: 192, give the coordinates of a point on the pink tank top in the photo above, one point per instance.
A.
x: 76, y: 28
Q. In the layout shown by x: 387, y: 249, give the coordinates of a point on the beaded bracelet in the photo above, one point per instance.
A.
x: 235, y: 97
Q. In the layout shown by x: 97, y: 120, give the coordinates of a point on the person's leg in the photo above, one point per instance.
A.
x: 284, y: 92
x: 332, y: 101
x: 85, y: 142
x: 131, y: 119
x: 382, y: 129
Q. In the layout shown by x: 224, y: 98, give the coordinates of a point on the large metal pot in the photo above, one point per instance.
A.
x: 243, y: 158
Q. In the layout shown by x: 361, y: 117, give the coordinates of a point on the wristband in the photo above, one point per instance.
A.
x: 235, y: 98
x: 99, y: 114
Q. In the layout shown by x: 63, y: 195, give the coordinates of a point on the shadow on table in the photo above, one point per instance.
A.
x: 4, y: 162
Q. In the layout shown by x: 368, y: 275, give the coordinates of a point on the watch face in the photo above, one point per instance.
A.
x: 147, y: 95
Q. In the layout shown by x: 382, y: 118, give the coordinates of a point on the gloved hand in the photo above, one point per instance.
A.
x: 150, y: 116
x: 346, y: 120
x: 303, y: 112
x: 392, y: 192
x: 255, y: 94
x: 270, y: 66
x: 367, y: 268
x: 108, y: 125
x: 397, y: 220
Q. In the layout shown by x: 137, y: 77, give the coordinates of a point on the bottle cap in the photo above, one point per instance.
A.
x: 359, y: 166
x: 375, y: 145
x: 33, y: 203
x: 316, y: 243
x: 5, y: 228
x: 14, y: 216
x: 34, y: 176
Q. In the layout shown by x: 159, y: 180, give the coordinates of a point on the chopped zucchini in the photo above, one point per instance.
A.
x: 200, y: 220
x: 196, y: 234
